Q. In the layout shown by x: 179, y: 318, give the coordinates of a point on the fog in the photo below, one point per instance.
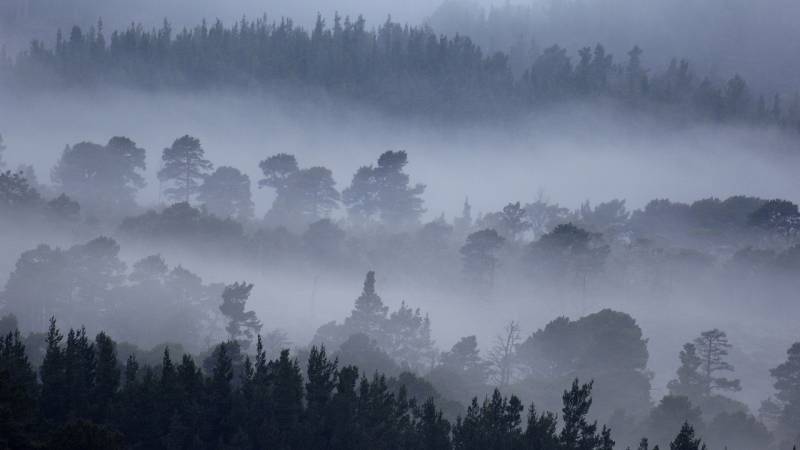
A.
x: 592, y: 229
x: 569, y: 154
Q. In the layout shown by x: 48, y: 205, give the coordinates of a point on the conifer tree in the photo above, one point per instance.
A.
x: 184, y: 166
x: 53, y: 401
x: 242, y: 325
x: 685, y: 440
x: 107, y: 377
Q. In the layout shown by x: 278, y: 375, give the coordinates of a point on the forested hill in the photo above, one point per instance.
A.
x: 398, y: 68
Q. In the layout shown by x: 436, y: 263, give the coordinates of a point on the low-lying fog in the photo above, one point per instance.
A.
x: 569, y: 155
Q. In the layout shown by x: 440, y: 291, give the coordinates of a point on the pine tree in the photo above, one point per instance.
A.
x: 184, y: 166
x: 384, y: 192
x: 344, y: 410
x: 369, y: 314
x: 689, y: 382
x: 577, y: 433
x: 53, y: 401
x: 288, y: 401
x: 322, y: 377
x: 226, y: 194
x: 540, y: 432
x: 18, y: 394
x: 787, y: 385
x: 217, y: 423
x: 685, y: 440
x: 107, y: 377
x: 712, y: 348
x: 243, y: 325
x: 432, y: 428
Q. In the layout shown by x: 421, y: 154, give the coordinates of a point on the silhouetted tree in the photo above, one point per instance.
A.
x: 685, y: 440
x: 690, y: 382
x: 184, y: 166
x: 104, y: 179
x: 303, y: 196
x: 479, y: 259
x: 384, y: 192
x: 504, y: 353
x: 712, y: 348
x: 226, y: 194
x: 243, y: 325
x: 787, y: 385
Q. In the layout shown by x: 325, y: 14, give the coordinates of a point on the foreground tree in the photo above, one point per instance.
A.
x: 184, y: 166
x: 685, y: 440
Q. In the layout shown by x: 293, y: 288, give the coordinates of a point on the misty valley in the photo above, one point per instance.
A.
x: 445, y: 233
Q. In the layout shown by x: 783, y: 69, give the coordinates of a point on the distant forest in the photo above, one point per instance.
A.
x: 397, y: 68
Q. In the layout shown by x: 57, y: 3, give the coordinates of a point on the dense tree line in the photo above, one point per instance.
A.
x: 82, y: 397
x: 396, y: 67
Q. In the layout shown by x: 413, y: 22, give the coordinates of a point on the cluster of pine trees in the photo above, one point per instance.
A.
x: 82, y: 397
x: 398, y: 68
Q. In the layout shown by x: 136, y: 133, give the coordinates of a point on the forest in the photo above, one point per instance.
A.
x: 733, y: 246
x: 446, y: 233
x: 398, y: 68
